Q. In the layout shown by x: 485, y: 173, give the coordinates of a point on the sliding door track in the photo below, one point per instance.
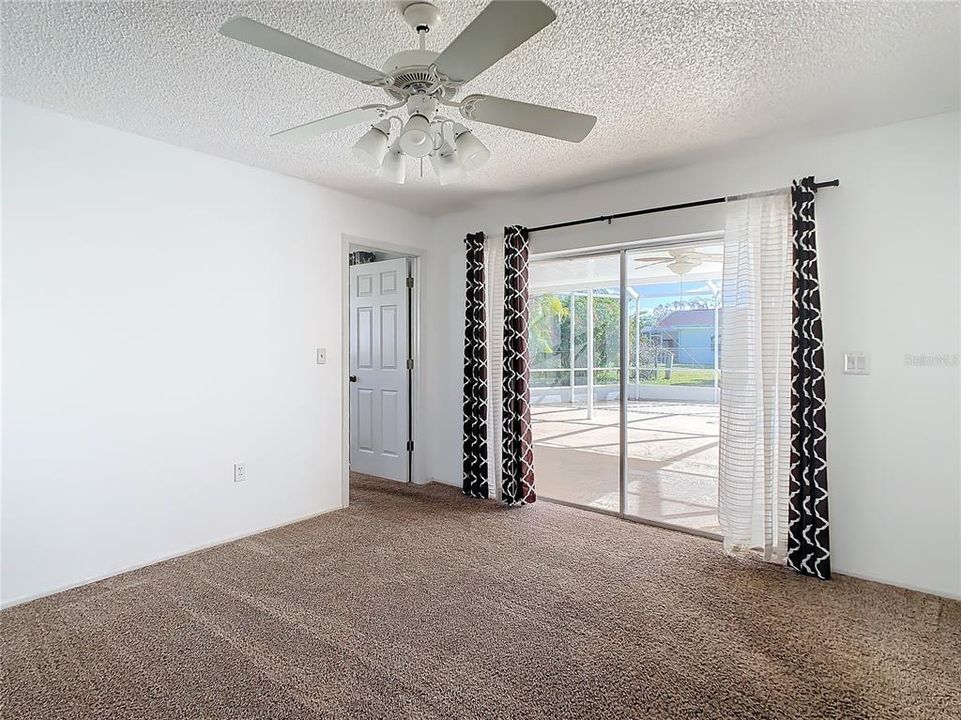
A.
x: 632, y: 518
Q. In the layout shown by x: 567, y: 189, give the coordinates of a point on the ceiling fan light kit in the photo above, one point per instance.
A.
x: 372, y: 146
x: 423, y: 83
x: 393, y: 169
x: 447, y: 167
x: 683, y: 266
x: 473, y: 153
x: 679, y: 261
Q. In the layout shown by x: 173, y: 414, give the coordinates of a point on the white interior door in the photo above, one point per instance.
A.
x: 379, y: 389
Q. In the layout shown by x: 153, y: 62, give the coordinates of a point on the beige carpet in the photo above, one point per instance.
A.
x: 419, y: 603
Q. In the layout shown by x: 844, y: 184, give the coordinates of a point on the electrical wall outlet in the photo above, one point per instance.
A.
x: 240, y: 472
x: 321, y: 356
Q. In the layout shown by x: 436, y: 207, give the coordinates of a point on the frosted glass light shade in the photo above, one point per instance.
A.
x: 682, y: 265
x: 415, y: 138
x: 447, y: 167
x: 371, y: 148
x: 473, y: 153
x: 394, y: 168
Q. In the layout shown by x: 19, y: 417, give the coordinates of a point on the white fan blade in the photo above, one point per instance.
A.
x: 368, y: 114
x: 537, y: 119
x: 500, y: 27
x: 263, y: 36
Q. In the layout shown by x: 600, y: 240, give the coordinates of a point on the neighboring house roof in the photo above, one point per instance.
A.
x: 688, y: 319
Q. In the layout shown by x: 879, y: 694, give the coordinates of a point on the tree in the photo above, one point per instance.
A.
x: 547, y: 311
x: 696, y: 302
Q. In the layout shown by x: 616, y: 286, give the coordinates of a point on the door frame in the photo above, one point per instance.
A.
x: 416, y: 257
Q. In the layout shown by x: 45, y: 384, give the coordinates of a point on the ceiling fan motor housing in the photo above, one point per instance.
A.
x: 411, y: 72
x: 410, y: 69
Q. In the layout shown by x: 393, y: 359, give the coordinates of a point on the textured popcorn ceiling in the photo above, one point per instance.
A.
x: 667, y: 80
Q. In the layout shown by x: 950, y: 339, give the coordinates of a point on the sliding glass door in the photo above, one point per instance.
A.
x: 625, y: 381
x: 672, y: 400
x: 575, y: 311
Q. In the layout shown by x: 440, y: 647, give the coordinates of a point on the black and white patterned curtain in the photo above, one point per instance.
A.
x: 518, y: 460
x: 475, y: 372
x: 808, y: 541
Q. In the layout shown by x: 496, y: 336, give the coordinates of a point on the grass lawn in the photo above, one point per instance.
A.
x: 703, y: 377
x: 680, y: 375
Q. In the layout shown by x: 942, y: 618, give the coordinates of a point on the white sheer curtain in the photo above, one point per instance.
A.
x: 495, y: 362
x: 755, y: 360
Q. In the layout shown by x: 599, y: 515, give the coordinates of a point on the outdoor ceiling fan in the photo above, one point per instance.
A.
x: 678, y: 261
x: 424, y: 83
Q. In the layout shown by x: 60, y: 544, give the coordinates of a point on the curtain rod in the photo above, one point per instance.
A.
x: 663, y: 208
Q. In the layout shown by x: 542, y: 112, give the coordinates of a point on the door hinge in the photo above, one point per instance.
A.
x: 410, y: 282
x: 410, y: 363
x: 410, y: 446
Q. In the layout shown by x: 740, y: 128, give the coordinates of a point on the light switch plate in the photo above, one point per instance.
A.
x: 856, y: 363
x: 321, y: 356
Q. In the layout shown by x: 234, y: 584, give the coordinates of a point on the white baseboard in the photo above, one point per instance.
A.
x: 838, y: 571
x: 903, y: 586
x: 206, y: 546
x: 27, y: 598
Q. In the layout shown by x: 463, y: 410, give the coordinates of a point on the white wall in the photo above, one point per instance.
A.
x: 161, y: 309
x: 889, y: 249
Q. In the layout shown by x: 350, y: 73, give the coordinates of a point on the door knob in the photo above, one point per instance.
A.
x: 353, y: 378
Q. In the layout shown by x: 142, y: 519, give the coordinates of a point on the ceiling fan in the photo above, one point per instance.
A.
x: 678, y: 261
x: 424, y: 83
